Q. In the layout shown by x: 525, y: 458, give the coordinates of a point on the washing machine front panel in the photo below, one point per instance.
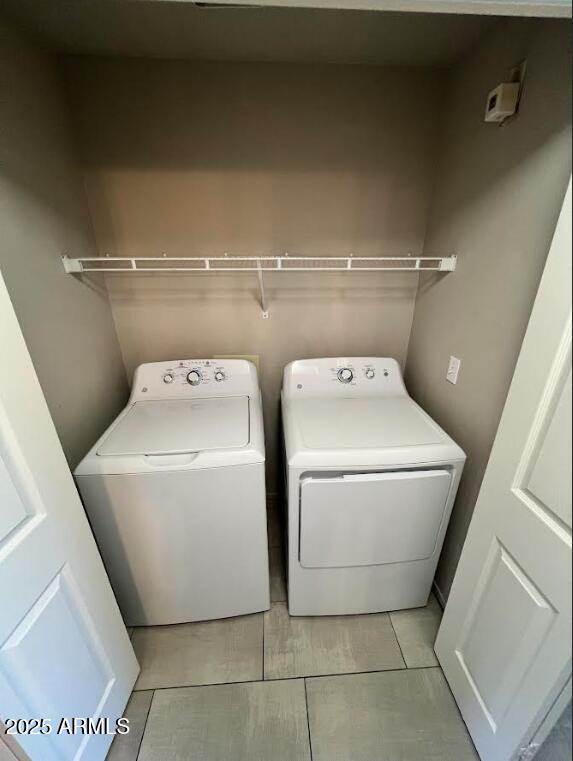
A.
x: 371, y: 518
x: 182, y: 546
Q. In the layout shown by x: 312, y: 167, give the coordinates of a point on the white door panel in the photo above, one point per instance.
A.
x: 505, y: 638
x: 58, y: 623
x: 543, y: 478
x: 13, y: 509
x: 64, y: 651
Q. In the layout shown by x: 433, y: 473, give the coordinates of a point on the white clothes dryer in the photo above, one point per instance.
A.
x: 175, y: 493
x: 371, y: 480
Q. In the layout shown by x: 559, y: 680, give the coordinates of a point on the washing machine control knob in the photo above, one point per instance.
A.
x: 194, y: 377
x: 369, y: 373
x: 167, y: 378
x: 219, y: 375
x: 345, y: 375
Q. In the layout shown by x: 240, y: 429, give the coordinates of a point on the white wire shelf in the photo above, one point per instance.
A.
x: 122, y: 264
x: 258, y: 264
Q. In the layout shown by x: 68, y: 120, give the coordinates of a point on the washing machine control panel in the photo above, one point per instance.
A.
x: 343, y: 376
x: 191, y: 378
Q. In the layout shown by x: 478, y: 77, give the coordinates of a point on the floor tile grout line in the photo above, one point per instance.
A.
x: 289, y: 678
x: 308, y: 720
x: 144, y: 726
x: 397, y: 640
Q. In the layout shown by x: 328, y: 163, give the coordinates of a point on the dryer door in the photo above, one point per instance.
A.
x: 371, y: 518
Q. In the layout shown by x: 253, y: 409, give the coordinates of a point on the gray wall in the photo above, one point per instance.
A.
x: 68, y: 327
x: 190, y: 159
x: 557, y: 745
x: 496, y: 201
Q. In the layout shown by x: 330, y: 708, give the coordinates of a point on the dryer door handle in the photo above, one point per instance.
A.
x: 164, y: 460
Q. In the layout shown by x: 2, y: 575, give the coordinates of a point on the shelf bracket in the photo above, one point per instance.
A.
x: 448, y: 263
x: 71, y: 266
x: 264, y: 305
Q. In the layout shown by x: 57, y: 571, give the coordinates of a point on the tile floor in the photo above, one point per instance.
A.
x: 269, y: 687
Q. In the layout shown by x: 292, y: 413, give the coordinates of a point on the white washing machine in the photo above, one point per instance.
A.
x: 175, y: 493
x: 371, y: 480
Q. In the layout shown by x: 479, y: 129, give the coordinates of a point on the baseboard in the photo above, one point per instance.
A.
x: 439, y: 595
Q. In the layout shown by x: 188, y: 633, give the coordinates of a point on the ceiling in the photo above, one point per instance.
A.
x: 185, y: 30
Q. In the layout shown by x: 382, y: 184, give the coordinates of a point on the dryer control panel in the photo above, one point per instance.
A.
x: 192, y: 378
x: 343, y: 376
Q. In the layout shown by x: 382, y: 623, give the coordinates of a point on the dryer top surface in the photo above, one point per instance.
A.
x: 363, y: 423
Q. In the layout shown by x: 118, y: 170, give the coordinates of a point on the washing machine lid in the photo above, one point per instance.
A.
x: 364, y: 423
x: 179, y: 426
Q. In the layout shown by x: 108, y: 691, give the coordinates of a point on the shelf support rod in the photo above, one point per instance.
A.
x: 264, y: 305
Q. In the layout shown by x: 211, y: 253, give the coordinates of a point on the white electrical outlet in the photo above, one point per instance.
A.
x: 453, y: 370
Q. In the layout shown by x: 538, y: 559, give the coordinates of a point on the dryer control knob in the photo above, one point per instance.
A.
x: 194, y: 377
x: 345, y: 375
x: 167, y: 378
x: 369, y: 373
x: 220, y: 375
